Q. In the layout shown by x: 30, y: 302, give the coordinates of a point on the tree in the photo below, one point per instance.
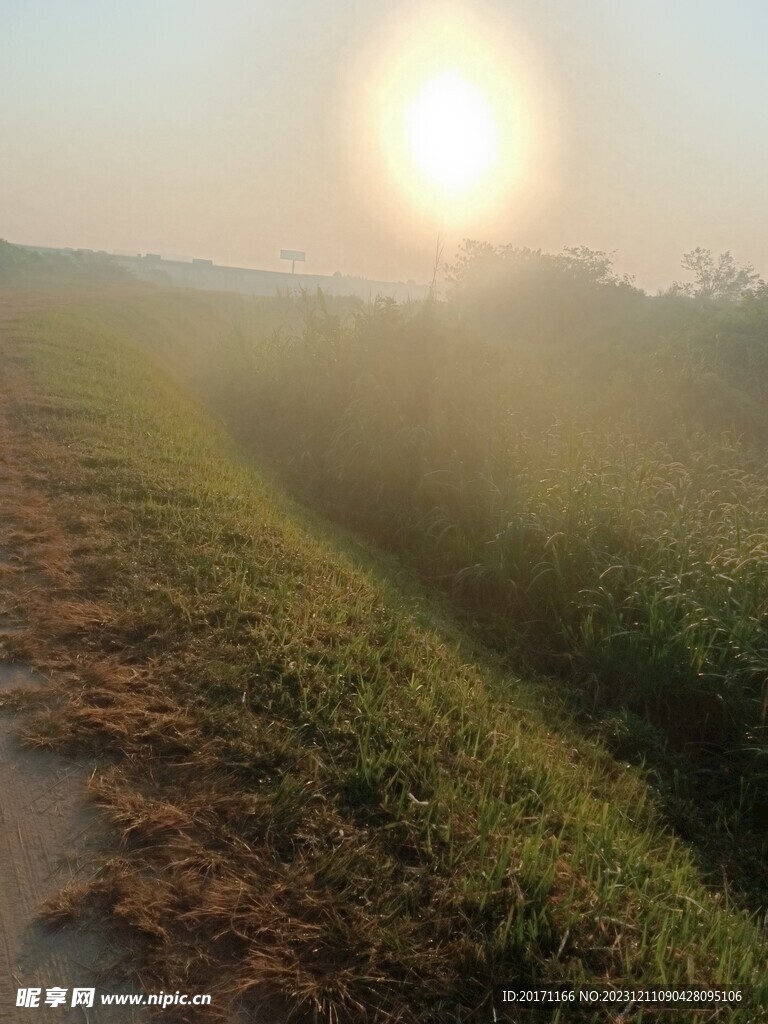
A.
x: 481, y: 262
x: 723, y: 280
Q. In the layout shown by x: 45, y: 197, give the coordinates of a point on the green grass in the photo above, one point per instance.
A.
x: 321, y: 790
x: 593, y: 509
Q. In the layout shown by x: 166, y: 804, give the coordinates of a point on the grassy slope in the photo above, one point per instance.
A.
x: 318, y: 793
x: 596, y: 506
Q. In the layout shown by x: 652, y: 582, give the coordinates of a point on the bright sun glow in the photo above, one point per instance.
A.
x: 448, y: 121
x: 452, y: 133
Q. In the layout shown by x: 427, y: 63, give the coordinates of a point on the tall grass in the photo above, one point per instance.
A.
x: 591, y: 506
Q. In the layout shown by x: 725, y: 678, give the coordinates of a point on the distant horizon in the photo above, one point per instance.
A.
x: 304, y: 272
x: 177, y: 258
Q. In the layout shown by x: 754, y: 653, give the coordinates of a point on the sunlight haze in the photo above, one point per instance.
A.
x: 358, y: 132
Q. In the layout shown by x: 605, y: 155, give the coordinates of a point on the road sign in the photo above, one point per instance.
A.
x: 294, y: 255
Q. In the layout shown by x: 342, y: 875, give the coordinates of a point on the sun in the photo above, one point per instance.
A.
x: 452, y: 133
x: 449, y: 121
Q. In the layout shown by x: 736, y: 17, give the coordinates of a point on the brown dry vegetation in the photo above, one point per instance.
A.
x: 105, y: 704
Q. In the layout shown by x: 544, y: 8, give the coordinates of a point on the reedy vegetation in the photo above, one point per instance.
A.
x: 587, y: 477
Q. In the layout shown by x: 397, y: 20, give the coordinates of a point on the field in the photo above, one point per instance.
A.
x: 501, y: 722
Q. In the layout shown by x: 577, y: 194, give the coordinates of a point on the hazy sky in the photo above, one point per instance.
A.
x: 230, y: 129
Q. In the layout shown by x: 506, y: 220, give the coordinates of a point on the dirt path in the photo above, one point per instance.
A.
x: 43, y: 829
x: 45, y: 825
